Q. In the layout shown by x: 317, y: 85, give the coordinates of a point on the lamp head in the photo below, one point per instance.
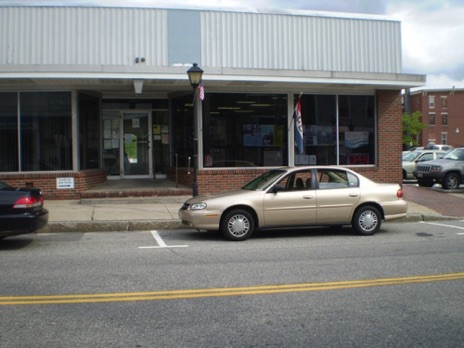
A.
x: 194, y: 74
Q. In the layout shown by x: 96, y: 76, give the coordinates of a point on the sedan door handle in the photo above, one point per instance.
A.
x: 353, y: 195
x: 307, y: 197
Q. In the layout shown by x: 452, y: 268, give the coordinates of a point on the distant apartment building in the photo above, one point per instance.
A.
x: 442, y: 113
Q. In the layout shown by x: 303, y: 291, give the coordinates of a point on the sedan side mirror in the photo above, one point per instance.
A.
x: 277, y: 188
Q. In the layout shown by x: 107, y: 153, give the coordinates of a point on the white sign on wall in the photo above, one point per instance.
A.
x: 64, y: 183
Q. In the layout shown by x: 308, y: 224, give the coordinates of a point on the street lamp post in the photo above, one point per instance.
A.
x: 194, y: 75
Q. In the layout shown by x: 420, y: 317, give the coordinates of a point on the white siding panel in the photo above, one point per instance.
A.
x: 274, y: 41
x: 106, y: 37
x: 82, y: 36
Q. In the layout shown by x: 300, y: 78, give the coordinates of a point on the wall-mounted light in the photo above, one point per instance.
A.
x: 457, y: 130
x: 138, y: 85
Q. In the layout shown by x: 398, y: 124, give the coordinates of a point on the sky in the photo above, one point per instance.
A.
x: 432, y: 30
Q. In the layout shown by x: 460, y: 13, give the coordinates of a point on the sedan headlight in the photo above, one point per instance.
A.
x: 198, y: 206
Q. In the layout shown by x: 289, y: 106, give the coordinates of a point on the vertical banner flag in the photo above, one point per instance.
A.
x: 298, y: 127
x: 201, y: 90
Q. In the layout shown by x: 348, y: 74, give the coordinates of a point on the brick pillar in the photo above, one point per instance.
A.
x: 389, y: 136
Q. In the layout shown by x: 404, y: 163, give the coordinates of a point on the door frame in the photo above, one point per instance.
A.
x: 149, y: 175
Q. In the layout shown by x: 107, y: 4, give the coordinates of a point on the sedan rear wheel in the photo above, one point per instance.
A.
x: 237, y: 225
x: 451, y: 181
x: 367, y: 220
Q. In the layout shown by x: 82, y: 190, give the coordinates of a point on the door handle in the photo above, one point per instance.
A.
x: 307, y: 197
x: 353, y: 195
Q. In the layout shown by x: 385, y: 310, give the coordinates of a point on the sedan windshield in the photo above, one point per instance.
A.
x: 262, y: 182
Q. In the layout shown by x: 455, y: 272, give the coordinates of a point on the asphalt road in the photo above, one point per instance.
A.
x: 316, y: 287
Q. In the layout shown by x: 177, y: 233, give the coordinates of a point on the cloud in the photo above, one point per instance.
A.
x: 431, y: 33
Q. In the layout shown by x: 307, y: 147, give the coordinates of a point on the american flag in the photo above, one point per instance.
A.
x: 201, y: 90
x: 298, y: 127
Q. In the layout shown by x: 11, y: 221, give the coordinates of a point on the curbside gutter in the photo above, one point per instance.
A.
x: 148, y: 225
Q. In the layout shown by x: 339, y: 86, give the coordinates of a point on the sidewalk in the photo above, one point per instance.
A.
x: 137, y: 214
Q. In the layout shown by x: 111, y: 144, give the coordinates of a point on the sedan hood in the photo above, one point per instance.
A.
x: 221, y: 195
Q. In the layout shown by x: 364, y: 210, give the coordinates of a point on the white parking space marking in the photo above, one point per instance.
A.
x: 161, y: 243
x: 444, y: 225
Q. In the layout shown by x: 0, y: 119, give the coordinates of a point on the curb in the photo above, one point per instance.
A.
x: 423, y: 217
x: 133, y: 226
x: 111, y: 226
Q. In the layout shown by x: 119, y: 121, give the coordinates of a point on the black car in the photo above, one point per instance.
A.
x: 21, y: 210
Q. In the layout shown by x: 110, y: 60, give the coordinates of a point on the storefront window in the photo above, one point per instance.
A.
x: 182, y: 131
x: 357, y: 130
x: 45, y: 126
x: 89, y: 131
x: 251, y: 130
x: 9, y: 132
x: 245, y: 130
x: 319, y: 117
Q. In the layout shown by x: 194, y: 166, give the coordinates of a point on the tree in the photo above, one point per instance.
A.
x: 412, y: 127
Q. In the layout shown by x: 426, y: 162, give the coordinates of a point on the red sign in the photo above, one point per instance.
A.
x: 358, y: 158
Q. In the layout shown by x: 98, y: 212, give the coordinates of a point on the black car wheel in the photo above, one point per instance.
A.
x: 237, y: 225
x: 367, y: 220
x: 451, y: 181
x: 425, y: 183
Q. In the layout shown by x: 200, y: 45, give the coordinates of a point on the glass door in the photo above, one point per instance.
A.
x: 136, y: 158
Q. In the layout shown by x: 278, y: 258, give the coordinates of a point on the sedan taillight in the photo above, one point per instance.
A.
x: 27, y: 202
x: 399, y: 193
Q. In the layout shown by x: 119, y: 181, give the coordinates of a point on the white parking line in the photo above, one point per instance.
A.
x: 444, y: 225
x: 161, y: 243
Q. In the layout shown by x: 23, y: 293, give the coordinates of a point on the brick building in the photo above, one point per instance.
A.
x: 443, y: 114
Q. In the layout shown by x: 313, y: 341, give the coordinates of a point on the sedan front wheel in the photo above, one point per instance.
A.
x: 237, y: 225
x: 367, y: 220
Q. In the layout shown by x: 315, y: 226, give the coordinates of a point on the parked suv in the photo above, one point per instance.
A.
x: 411, y: 159
x: 447, y: 171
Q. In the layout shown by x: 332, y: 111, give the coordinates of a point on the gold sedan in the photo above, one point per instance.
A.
x: 297, y: 196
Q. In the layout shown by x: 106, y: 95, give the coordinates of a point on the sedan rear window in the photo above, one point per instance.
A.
x: 334, y: 179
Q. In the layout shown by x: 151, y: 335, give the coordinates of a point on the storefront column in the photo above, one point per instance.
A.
x: 74, y: 131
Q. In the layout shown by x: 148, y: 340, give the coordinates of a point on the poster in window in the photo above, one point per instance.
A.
x: 354, y: 140
x: 258, y: 135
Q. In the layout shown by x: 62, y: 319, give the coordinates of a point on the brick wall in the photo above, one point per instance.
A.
x: 83, y: 181
x: 389, y: 139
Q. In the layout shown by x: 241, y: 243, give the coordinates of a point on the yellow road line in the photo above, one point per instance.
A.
x: 220, y: 292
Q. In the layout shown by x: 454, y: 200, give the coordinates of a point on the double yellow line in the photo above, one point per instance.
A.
x: 220, y: 292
